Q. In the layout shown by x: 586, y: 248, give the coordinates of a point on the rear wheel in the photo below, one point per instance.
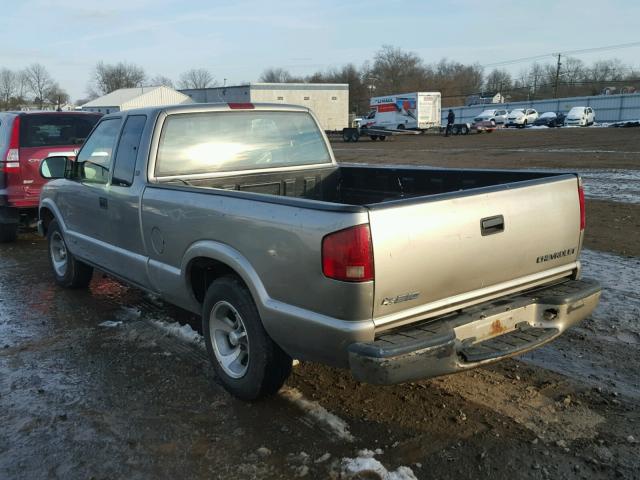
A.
x: 464, y: 130
x: 382, y: 138
x: 248, y: 363
x: 373, y: 137
x: 8, y: 232
x: 401, y: 126
x: 68, y: 271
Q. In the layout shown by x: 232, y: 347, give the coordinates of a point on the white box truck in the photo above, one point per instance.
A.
x: 406, y: 111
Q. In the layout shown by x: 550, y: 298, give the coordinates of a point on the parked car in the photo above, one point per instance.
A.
x: 521, y: 117
x: 580, y: 116
x: 240, y: 213
x: 25, y: 139
x: 498, y: 117
x: 550, y: 119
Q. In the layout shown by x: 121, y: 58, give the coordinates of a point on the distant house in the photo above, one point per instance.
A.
x: 138, y: 97
x: 485, y: 98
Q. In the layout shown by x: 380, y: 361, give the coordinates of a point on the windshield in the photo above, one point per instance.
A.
x: 517, y: 112
x: 49, y: 130
x: 576, y: 111
x: 548, y: 115
x: 210, y: 142
x: 487, y: 113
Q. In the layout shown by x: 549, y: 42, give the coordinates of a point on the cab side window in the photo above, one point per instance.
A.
x: 127, y: 153
x: 95, y: 158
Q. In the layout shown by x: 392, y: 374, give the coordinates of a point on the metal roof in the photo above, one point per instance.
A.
x: 120, y: 97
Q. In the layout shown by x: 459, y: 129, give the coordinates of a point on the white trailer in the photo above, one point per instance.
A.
x: 406, y: 111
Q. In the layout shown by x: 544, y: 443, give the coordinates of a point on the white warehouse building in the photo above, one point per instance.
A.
x: 328, y: 101
x: 138, y: 97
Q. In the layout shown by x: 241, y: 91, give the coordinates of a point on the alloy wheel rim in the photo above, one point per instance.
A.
x: 59, y: 256
x: 229, y: 339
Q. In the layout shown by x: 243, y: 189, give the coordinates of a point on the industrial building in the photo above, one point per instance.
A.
x: 138, y: 97
x: 328, y: 101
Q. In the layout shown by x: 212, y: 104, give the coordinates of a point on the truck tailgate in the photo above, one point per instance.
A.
x: 434, y: 255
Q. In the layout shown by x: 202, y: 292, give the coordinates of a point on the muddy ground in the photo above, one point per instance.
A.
x: 93, y: 385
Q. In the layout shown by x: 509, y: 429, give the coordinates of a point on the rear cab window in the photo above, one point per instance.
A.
x: 127, y: 152
x: 50, y: 130
x: 212, y: 142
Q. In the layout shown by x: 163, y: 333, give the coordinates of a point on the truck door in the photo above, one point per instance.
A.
x: 83, y: 201
x: 127, y: 256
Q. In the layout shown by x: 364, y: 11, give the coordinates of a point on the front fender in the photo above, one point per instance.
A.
x: 50, y: 205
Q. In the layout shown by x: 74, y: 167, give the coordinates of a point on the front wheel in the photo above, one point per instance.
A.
x: 68, y: 271
x: 248, y: 363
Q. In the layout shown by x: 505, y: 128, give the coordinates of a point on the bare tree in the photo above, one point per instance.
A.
x: 161, y: 80
x: 8, y: 86
x: 56, y: 96
x: 395, y: 70
x: 39, y: 82
x: 498, y: 81
x: 107, y: 78
x: 277, y: 75
x: 197, y: 78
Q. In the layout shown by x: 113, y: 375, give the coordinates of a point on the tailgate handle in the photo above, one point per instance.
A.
x: 491, y: 225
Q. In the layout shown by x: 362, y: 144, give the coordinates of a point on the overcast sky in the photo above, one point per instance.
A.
x: 238, y: 39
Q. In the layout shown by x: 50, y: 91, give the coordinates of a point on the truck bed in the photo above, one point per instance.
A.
x: 370, y: 185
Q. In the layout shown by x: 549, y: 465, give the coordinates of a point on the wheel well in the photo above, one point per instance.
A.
x: 202, y: 271
x: 46, y: 216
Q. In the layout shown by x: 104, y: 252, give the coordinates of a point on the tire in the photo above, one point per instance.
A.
x: 464, y: 130
x: 373, y: 137
x: 382, y: 138
x: 401, y: 126
x: 346, y: 137
x: 68, y: 271
x: 231, y: 326
x: 355, y: 136
x: 8, y: 232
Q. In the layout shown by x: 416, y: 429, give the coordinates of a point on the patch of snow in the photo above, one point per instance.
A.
x: 110, y: 324
x: 616, y: 185
x: 127, y: 314
x: 317, y: 412
x: 365, y: 466
x: 184, y: 332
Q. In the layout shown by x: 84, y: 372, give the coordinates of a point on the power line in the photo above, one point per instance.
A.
x: 567, y: 52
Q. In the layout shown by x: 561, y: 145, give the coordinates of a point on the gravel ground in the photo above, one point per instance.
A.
x: 112, y: 383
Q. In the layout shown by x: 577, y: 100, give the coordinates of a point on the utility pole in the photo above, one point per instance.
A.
x: 555, y: 88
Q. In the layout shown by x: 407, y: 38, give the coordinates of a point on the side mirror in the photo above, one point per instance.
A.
x: 54, y: 167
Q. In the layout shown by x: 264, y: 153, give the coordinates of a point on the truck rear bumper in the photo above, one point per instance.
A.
x: 475, y: 336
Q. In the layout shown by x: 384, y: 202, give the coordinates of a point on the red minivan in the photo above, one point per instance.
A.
x: 26, y: 138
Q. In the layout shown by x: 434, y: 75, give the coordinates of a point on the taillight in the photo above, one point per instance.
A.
x: 581, y: 199
x: 12, y: 158
x: 347, y: 255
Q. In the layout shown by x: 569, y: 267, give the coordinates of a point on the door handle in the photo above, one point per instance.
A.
x: 103, y: 203
x: 492, y: 225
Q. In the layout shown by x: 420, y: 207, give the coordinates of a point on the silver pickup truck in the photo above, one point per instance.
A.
x: 239, y: 212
